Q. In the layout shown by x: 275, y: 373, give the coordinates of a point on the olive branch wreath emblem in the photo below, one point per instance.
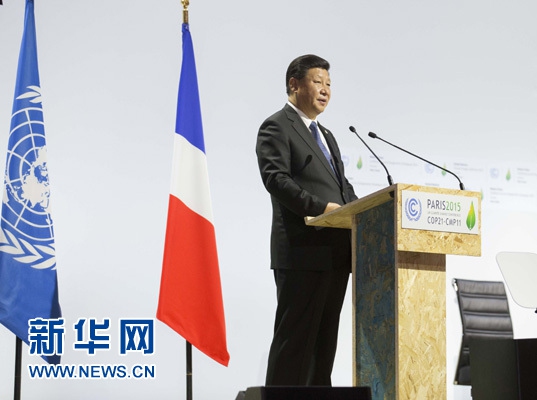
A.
x: 40, y: 256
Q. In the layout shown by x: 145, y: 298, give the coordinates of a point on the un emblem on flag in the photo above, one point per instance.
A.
x: 27, y: 231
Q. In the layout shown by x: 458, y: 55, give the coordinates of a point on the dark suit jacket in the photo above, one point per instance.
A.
x: 301, y: 183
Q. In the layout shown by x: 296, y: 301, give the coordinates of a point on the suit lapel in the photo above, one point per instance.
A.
x: 304, y: 132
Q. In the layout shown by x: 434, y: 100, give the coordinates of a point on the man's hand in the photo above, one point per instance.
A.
x: 331, y: 207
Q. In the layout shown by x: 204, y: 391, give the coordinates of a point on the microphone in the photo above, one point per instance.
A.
x: 375, y: 136
x: 390, y: 180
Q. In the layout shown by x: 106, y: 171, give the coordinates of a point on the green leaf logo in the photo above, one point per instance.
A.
x: 470, y: 219
x: 443, y: 171
x: 359, y: 164
x: 508, y: 176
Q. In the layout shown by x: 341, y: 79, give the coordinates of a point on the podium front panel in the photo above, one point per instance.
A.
x: 399, y: 313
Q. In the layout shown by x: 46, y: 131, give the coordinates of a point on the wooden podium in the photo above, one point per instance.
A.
x: 399, y: 285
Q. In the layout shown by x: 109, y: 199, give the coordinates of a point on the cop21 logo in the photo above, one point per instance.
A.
x: 413, y: 209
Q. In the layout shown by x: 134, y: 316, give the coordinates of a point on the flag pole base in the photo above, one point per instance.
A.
x: 18, y: 368
x: 188, y: 371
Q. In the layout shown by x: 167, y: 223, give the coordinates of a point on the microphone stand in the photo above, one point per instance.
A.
x: 375, y: 136
x: 390, y: 180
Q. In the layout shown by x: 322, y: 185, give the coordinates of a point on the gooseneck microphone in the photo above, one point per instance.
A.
x: 390, y: 180
x: 375, y: 136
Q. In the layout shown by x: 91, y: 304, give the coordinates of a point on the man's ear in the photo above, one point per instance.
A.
x: 293, y: 84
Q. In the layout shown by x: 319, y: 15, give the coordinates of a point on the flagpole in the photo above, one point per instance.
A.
x: 190, y: 288
x: 185, y: 4
x: 18, y: 368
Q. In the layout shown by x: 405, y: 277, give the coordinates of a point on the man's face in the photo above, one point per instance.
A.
x: 311, y: 94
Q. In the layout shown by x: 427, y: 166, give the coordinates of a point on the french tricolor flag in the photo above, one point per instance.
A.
x: 190, y: 300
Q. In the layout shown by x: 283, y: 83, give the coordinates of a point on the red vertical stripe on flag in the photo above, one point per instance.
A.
x: 190, y: 291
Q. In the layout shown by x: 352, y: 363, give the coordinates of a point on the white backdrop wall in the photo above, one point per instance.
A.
x: 451, y: 81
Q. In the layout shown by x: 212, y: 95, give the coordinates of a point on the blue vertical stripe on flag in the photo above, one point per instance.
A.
x: 188, y: 123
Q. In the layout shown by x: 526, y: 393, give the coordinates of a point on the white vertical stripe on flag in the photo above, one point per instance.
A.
x: 190, y: 182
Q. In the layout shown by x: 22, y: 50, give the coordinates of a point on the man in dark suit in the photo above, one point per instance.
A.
x: 311, y: 265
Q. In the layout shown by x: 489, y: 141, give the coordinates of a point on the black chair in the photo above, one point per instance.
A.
x: 484, y: 314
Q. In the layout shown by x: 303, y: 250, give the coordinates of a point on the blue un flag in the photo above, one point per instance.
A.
x: 28, y: 281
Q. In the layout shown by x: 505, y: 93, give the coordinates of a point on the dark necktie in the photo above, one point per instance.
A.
x: 317, y: 136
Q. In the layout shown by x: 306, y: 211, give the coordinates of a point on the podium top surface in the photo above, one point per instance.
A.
x: 342, y: 217
x: 440, y: 238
